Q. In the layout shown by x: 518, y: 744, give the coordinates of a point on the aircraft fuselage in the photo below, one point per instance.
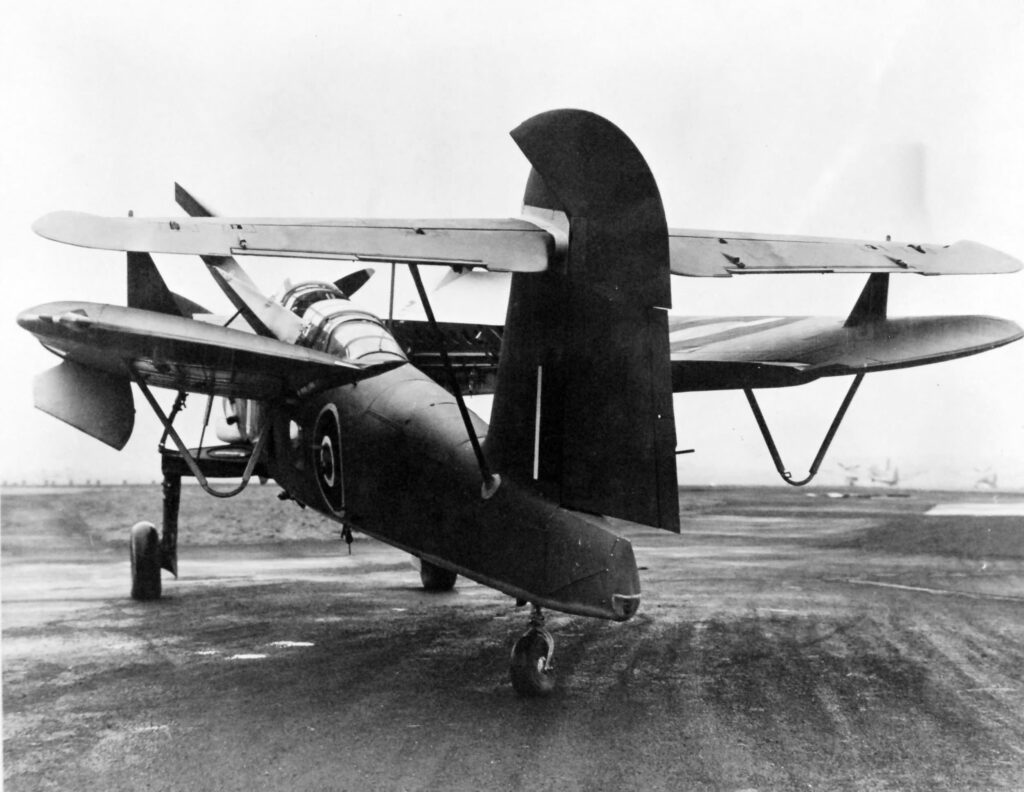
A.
x: 391, y: 457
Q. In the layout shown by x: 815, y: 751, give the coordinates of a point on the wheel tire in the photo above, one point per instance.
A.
x: 145, y: 556
x: 435, y: 578
x: 531, y: 676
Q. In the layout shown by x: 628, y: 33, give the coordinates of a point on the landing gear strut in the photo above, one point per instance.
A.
x: 531, y: 669
x: 169, y: 534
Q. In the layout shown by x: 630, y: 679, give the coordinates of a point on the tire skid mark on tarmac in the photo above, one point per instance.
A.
x: 950, y: 638
x: 941, y: 642
x: 928, y: 590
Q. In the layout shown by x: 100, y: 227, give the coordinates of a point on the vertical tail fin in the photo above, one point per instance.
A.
x: 583, y: 407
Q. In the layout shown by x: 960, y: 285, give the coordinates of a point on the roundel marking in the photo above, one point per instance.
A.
x: 327, y: 458
x: 327, y: 469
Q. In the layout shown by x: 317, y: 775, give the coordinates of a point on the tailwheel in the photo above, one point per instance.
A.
x: 435, y: 578
x: 531, y: 669
x: 145, y: 555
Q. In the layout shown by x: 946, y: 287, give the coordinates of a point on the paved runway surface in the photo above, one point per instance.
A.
x: 785, y: 642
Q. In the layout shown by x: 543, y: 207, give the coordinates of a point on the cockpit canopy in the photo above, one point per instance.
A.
x: 299, y: 297
x: 335, y: 326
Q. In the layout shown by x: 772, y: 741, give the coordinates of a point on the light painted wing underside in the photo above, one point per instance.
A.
x: 510, y: 245
x: 499, y: 245
x: 723, y: 253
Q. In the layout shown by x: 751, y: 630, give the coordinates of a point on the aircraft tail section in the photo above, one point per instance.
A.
x: 583, y: 406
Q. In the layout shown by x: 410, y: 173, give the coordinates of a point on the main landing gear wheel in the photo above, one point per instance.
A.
x: 145, y: 555
x: 435, y: 578
x: 531, y: 669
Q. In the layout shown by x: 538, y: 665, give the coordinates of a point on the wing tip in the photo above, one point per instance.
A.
x: 990, y: 260
x: 49, y: 224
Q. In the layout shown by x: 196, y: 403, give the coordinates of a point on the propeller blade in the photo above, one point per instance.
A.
x: 350, y: 284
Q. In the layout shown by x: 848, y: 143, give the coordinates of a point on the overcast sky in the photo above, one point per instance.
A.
x: 825, y: 118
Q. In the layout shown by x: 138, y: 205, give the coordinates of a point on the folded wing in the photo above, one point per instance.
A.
x: 719, y: 353
x: 721, y: 254
x: 105, y: 346
x: 507, y: 245
x: 174, y: 352
x: 499, y: 245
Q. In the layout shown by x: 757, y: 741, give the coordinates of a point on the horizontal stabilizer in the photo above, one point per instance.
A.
x: 92, y: 401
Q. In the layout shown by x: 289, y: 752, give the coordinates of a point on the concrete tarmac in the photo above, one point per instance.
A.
x: 785, y: 642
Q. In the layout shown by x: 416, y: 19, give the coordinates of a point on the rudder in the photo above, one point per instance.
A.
x: 583, y: 407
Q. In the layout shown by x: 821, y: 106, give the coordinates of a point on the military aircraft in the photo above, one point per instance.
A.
x: 888, y: 475
x: 363, y: 419
x: 876, y: 474
x: 988, y: 479
x: 851, y: 473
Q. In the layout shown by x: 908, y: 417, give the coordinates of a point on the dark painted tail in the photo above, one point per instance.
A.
x: 583, y: 406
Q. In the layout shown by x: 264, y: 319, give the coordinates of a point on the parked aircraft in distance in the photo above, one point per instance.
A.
x: 988, y: 479
x: 362, y: 419
x: 851, y: 473
x: 888, y: 475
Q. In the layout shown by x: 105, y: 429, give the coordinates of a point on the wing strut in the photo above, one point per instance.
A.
x: 491, y: 481
x: 187, y: 456
x: 766, y: 433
